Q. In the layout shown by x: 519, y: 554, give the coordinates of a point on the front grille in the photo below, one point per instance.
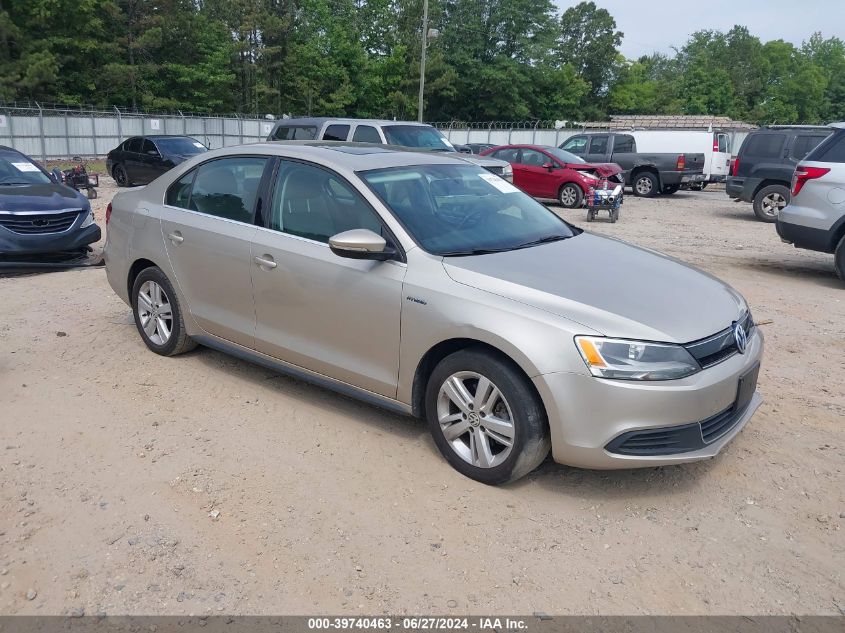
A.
x: 721, y: 346
x: 677, y: 439
x: 40, y: 223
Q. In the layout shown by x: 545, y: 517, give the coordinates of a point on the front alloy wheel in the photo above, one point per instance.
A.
x: 475, y: 419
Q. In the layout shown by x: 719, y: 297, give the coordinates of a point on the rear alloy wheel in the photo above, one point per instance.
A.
x: 570, y: 196
x: 769, y: 201
x: 645, y: 185
x: 839, y: 259
x: 158, y: 315
x: 120, y: 176
x: 485, y: 417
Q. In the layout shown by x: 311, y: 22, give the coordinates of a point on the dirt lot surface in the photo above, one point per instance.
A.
x: 136, y: 484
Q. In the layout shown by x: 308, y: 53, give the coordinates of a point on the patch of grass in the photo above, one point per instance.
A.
x: 93, y: 166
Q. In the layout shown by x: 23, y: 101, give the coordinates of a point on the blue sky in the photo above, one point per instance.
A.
x: 657, y: 25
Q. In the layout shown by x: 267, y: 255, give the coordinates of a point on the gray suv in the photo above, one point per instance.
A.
x: 432, y: 287
x: 417, y: 136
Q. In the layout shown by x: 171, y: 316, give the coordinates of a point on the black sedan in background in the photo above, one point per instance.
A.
x: 141, y: 159
x: 38, y: 214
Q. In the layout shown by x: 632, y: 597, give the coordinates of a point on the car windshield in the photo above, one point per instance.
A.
x: 454, y: 210
x: 421, y: 136
x: 564, y: 156
x: 17, y: 169
x: 182, y: 146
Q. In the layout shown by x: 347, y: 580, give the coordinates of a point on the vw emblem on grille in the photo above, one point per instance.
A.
x: 740, y: 337
x: 40, y: 222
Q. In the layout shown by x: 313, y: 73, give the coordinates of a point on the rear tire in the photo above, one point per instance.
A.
x: 485, y: 417
x: 570, y: 196
x: 121, y: 176
x: 645, y: 184
x: 158, y: 315
x: 839, y: 259
x: 769, y: 201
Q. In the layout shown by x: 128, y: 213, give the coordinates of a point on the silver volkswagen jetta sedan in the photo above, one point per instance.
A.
x: 433, y: 287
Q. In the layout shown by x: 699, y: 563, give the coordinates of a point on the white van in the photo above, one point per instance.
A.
x: 716, y: 147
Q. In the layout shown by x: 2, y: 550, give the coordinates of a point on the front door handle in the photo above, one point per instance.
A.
x: 176, y: 237
x: 265, y: 261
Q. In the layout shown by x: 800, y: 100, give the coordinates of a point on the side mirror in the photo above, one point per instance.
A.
x: 549, y: 166
x: 57, y: 176
x: 361, y: 244
x: 152, y: 152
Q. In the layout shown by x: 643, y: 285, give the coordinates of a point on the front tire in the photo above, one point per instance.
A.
x: 485, y: 417
x: 158, y: 315
x: 570, y: 196
x: 839, y: 259
x: 769, y: 201
x: 645, y: 184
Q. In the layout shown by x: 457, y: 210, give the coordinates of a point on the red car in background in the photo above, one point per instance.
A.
x: 549, y: 172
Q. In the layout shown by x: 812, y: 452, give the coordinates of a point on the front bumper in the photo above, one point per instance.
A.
x: 586, y: 413
x: 72, y: 239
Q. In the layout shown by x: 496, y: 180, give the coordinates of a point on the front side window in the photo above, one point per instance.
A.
x: 227, y: 188
x: 576, y: 145
x: 453, y: 210
x: 17, y: 169
x: 804, y: 144
x: 316, y: 204
x: 149, y: 148
x: 133, y: 145
x: 422, y: 136
x: 336, y: 133
x: 366, y: 134
x: 533, y: 158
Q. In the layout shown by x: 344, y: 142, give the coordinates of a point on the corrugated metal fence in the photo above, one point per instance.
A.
x: 61, y: 132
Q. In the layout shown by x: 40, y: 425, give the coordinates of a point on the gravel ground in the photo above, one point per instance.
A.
x: 135, y: 484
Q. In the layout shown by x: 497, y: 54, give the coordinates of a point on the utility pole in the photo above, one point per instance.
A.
x: 422, y: 60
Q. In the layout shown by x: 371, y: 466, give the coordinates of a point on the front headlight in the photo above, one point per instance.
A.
x: 635, y: 360
x: 88, y: 221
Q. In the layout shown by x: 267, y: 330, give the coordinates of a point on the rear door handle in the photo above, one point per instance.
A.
x: 265, y: 261
x: 176, y: 237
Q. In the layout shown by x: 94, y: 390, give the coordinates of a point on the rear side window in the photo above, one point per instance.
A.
x: 765, y: 145
x: 179, y: 193
x: 336, y: 133
x: 227, y: 188
x: 366, y: 134
x: 295, y: 133
x: 831, y: 150
x: 598, y: 145
x: 624, y: 144
x: 511, y: 155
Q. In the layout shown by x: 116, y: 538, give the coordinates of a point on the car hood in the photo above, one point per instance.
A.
x: 481, y: 161
x: 603, y: 169
x: 46, y: 197
x: 608, y: 286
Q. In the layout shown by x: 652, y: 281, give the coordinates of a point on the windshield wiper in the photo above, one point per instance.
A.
x: 476, y: 251
x: 544, y: 240
x: 14, y: 183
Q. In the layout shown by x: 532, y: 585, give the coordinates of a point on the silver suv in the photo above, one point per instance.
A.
x: 815, y: 217
x: 409, y: 134
x: 430, y: 286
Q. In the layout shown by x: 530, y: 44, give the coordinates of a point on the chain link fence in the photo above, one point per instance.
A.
x: 50, y: 131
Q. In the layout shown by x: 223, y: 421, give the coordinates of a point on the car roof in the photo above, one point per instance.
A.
x: 342, y: 154
x: 301, y: 121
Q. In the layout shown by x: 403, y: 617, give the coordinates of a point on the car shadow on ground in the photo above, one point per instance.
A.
x: 819, y: 272
x: 574, y: 482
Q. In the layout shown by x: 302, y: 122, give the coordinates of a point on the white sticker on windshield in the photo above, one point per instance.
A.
x: 199, y: 145
x: 26, y: 167
x: 500, y: 183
